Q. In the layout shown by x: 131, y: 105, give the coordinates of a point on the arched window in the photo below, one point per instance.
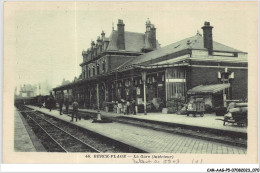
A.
x: 103, y: 66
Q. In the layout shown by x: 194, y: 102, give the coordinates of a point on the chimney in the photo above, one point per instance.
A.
x: 99, y: 41
x: 121, y: 35
x: 207, y: 36
x: 147, y: 33
x: 150, y: 36
x: 99, y: 47
x: 103, y: 35
x: 92, y: 49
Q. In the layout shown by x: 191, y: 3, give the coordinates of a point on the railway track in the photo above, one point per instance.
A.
x: 65, y: 137
x: 65, y: 141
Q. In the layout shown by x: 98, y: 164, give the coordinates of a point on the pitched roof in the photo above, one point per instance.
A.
x: 194, y: 42
x: 198, y: 44
x: 208, y: 88
x: 134, y: 42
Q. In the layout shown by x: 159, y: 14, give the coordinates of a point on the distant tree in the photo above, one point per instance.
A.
x: 65, y: 82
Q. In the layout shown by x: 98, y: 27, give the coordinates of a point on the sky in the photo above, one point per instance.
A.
x: 45, y: 39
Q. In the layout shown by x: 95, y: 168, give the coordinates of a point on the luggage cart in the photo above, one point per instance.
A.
x: 240, y: 119
x: 196, y: 107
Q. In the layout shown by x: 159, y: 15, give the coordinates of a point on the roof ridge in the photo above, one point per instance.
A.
x: 135, y: 32
x: 178, y: 41
x: 161, y: 48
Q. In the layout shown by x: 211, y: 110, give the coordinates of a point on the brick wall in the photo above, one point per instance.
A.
x: 207, y: 76
x: 239, y: 84
x: 204, y: 76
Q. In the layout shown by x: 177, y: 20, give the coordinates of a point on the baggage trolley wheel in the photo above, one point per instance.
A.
x: 202, y: 114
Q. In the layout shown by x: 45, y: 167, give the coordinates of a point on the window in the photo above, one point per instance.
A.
x: 162, y: 78
x: 127, y: 83
x: 175, y: 73
x: 97, y: 69
x: 93, y: 71
x: 175, y: 90
x: 91, y: 55
x: 175, y: 83
x: 103, y: 66
x: 89, y: 71
x: 85, y: 71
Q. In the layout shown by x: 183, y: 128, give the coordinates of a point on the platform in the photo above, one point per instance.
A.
x: 149, y: 140
x: 208, y: 121
x: 24, y: 138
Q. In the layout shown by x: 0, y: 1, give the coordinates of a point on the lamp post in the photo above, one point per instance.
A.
x: 144, y: 84
x: 98, y: 97
x: 225, y: 77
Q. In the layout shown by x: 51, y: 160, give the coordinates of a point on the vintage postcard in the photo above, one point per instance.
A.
x: 130, y: 82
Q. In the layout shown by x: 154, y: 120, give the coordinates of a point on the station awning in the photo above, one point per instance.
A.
x: 208, y: 89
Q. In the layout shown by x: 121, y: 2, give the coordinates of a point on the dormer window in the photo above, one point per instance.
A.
x: 83, y: 75
x: 92, y: 54
x: 83, y: 72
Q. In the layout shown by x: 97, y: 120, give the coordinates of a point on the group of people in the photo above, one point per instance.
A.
x: 75, y: 107
x: 125, y: 106
x: 51, y: 104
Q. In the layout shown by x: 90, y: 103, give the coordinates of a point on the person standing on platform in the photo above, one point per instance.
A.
x: 127, y: 107
x: 61, y: 105
x: 50, y: 103
x: 133, y: 107
x: 75, y: 107
x: 67, y: 105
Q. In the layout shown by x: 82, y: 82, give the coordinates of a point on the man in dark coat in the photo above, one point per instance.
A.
x: 51, y: 103
x: 66, y: 102
x: 60, y: 105
x: 75, y: 107
x: 133, y: 107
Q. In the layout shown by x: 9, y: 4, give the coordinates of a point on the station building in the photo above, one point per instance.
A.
x: 132, y: 66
